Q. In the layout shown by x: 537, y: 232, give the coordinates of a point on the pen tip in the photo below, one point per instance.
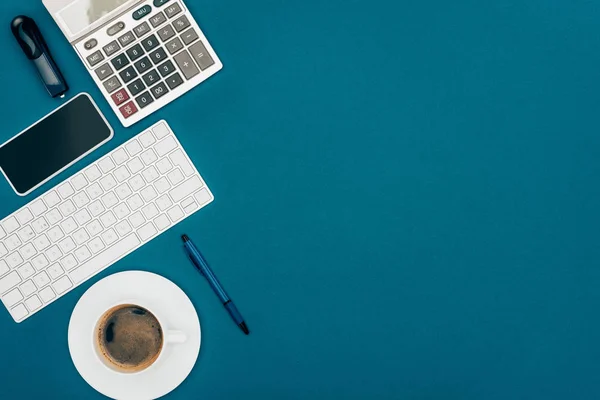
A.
x: 244, y: 328
x: 185, y: 238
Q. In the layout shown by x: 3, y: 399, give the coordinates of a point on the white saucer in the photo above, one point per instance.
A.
x: 155, y: 292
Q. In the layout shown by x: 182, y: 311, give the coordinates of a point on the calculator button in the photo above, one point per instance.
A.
x: 189, y: 36
x: 151, y: 77
x: 126, y: 39
x: 95, y: 58
x: 166, y: 33
x: 201, y: 56
x: 144, y: 99
x: 111, y: 48
x: 142, y: 29
x: 104, y: 71
x: 159, y: 90
x: 136, y: 87
x: 90, y: 44
x: 112, y: 84
x: 142, y: 12
x: 186, y: 64
x: 172, y: 10
x: 128, y: 74
x: 143, y: 65
x: 158, y: 55
x: 135, y: 52
x: 174, y: 80
x: 181, y: 23
x: 116, y: 28
x: 128, y: 109
x: 158, y: 3
x: 174, y: 46
x: 158, y: 19
x: 120, y: 97
x: 166, y: 68
x: 120, y: 61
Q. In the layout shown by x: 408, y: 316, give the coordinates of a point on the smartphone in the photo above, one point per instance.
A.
x: 53, y: 144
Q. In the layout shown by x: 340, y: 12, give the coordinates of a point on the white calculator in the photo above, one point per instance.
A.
x: 142, y: 54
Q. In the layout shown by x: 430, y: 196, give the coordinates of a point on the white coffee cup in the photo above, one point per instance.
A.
x: 170, y: 337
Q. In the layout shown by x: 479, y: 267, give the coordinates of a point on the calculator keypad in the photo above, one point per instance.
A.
x: 153, y: 51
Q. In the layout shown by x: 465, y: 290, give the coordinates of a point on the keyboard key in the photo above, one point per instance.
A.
x: 67, y: 245
x: 186, y: 188
x: 136, y: 219
x: 186, y: 64
x: 81, y: 236
x: 144, y: 99
x: 111, y: 48
x: 25, y: 234
x: 104, y: 71
x: 121, y: 173
x: 175, y: 213
x: 133, y: 147
x: 19, y: 312
x: 112, y: 84
x: 102, y: 260
x: 9, y: 281
x: 53, y: 253
x: 106, y: 164
x: 108, y: 182
x: 82, y: 217
x: 175, y: 176
x: 53, y: 216
x: 120, y: 97
x: 123, y: 228
x: 128, y: 74
x: 147, y: 231
x: 174, y: 45
x: 95, y: 58
x: 120, y: 61
x: 27, y: 251
x: 67, y: 208
x: 203, y: 197
x: 165, y: 146
x: 135, y: 165
x: 12, y: 242
x: 151, y: 77
x: 78, y: 182
x: 150, y: 42
x: 166, y: 68
x: 200, y: 54
x: 121, y: 211
x: 123, y: 191
x: 137, y: 182
x: 26, y: 270
x: 162, y: 185
x: 166, y: 33
x: 11, y: 298
x: 110, y: 199
x: 162, y: 222
x: 126, y: 39
x: 134, y: 53
x: 189, y: 36
x: 128, y: 109
x: 33, y: 303
x: 81, y: 199
x: 159, y: 90
x: 108, y: 219
x: 179, y: 159
x: 150, y: 211
x: 136, y: 87
x: 141, y: 30
x: 164, y: 202
x: 96, y: 245
x: 40, y: 225
x: 174, y: 80
x: 143, y: 65
x: 55, y: 270
x: 55, y: 234
x: 189, y: 206
x: 164, y: 165
x: 83, y: 253
x: 149, y: 157
x: 41, y: 242
x: 120, y: 156
x: 158, y: 19
x: 62, y: 285
x: 109, y: 236
x: 96, y: 208
x: 10, y: 224
x: 94, y: 190
x: 68, y: 225
x: 173, y: 10
x: 47, y: 294
x: 14, y: 260
x: 51, y: 199
x: 135, y: 202
x: 158, y: 55
x: 4, y: 268
x: 94, y: 228
x: 37, y: 208
x: 142, y: 12
x: 147, y: 139
x: 69, y: 262
x: 181, y: 23
x: 148, y: 193
x: 65, y: 190
x: 41, y: 279
x: 24, y: 216
x: 3, y: 252
x: 39, y: 262
x: 150, y: 174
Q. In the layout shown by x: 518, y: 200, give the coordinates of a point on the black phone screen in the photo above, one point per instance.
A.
x: 54, y: 143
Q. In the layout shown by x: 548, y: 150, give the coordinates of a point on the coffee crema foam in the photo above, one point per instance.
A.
x: 129, y: 338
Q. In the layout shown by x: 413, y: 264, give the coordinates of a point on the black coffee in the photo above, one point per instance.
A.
x: 129, y: 337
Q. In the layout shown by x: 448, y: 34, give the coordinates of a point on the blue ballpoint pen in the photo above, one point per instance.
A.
x: 202, y: 266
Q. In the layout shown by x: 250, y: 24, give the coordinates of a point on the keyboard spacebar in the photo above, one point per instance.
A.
x: 104, y: 259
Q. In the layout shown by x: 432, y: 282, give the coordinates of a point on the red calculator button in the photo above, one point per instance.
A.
x: 120, y: 97
x: 128, y: 109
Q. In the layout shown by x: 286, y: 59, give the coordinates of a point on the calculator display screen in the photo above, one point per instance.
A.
x: 80, y: 14
x: 52, y: 144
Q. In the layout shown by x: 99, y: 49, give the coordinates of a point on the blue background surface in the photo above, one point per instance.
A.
x: 406, y: 201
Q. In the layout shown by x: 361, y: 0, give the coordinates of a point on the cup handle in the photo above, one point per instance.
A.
x: 175, y: 337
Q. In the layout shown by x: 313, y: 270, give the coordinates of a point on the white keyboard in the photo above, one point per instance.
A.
x: 95, y: 218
